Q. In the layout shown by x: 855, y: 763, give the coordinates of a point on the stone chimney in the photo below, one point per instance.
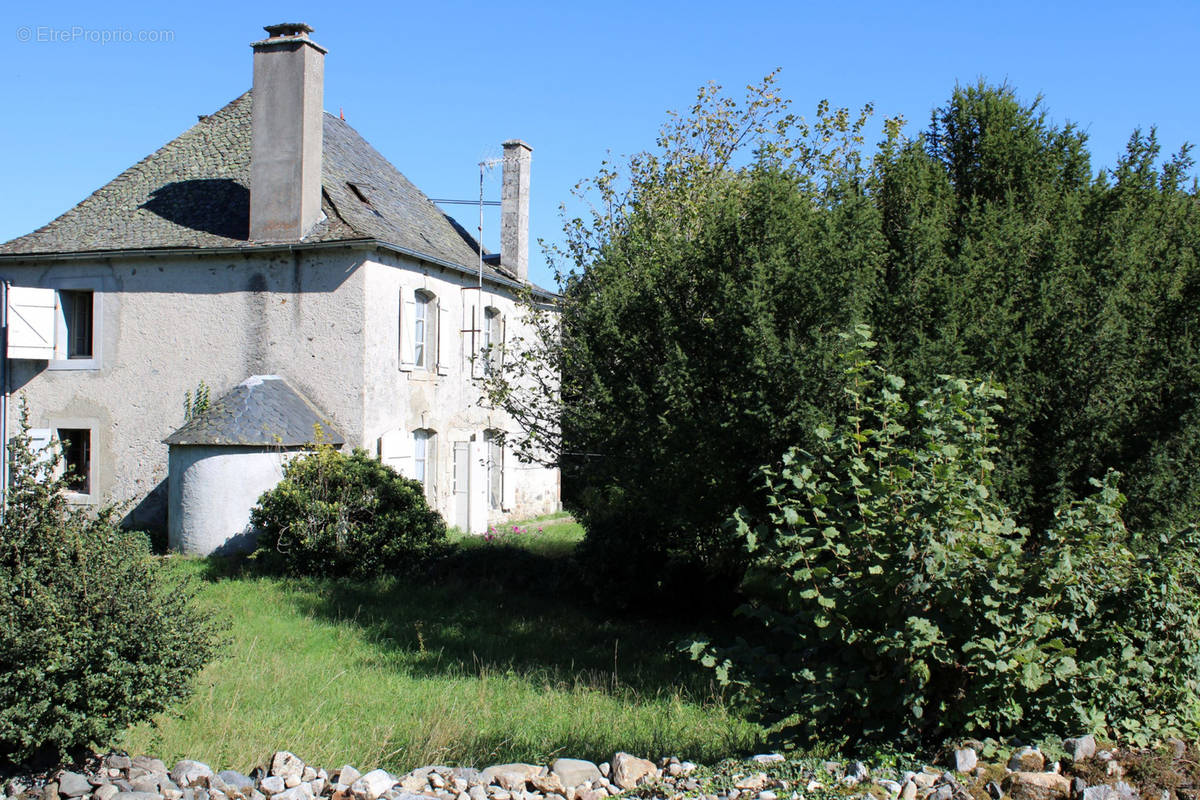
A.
x: 285, y: 154
x: 514, y: 209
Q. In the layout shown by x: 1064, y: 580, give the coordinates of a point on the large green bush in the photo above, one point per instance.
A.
x: 93, y: 636
x: 346, y: 514
x: 895, y: 597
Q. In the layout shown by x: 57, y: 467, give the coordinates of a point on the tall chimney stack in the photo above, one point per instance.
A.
x: 514, y: 209
x: 286, y: 125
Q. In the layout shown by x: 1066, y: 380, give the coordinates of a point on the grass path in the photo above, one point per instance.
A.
x: 487, y: 659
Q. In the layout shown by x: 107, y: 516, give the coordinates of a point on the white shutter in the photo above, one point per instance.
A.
x: 477, y: 451
x: 509, y: 485
x: 476, y: 352
x: 31, y: 322
x: 395, y: 450
x: 408, y: 316
x: 503, y: 343
x: 443, y: 338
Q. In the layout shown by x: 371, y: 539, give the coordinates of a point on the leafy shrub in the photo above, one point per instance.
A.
x: 93, y: 636
x: 896, y: 597
x: 346, y: 514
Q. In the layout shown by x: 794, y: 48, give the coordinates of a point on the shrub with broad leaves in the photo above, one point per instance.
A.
x: 895, y: 598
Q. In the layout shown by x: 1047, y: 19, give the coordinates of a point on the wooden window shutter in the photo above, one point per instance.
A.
x: 408, y: 315
x: 443, y: 339
x: 31, y: 322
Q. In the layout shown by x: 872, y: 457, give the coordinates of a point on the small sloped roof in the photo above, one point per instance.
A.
x: 194, y: 192
x: 262, y: 410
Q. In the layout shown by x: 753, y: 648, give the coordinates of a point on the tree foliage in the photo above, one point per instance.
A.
x: 93, y: 636
x: 704, y: 291
x: 895, y: 596
x: 346, y: 514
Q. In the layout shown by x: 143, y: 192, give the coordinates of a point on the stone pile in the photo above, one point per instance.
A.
x: 1025, y: 776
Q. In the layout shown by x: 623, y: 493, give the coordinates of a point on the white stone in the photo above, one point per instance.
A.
x: 272, y: 785
x: 372, y: 785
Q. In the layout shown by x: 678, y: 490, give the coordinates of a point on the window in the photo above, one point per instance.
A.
x: 77, y: 458
x: 425, y: 459
x: 76, y: 323
x: 419, y: 328
x: 61, y: 326
x: 493, y: 338
x: 495, y: 470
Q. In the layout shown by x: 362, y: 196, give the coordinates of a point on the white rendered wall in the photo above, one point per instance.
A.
x: 327, y: 320
x: 212, y: 490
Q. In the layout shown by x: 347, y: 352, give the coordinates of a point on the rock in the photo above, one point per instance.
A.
x: 147, y: 783
x: 72, y: 784
x: 754, y: 783
x: 372, y: 785
x: 1080, y: 748
x: 347, y: 775
x: 1115, y: 770
x: 767, y: 758
x: 1077, y: 787
x: 891, y: 787
x: 1026, y: 785
x: 1125, y: 791
x: 575, y: 771
x: 766, y: 796
x: 605, y: 769
x: 272, y: 785
x: 191, y: 773
x: 117, y: 761
x: 858, y: 770
x: 1177, y: 747
x: 965, y: 759
x: 592, y: 794
x: 137, y: 795
x: 628, y: 771
x: 148, y: 764
x: 1101, y: 792
x: 235, y: 779
x: 291, y: 781
x: 477, y: 792
x: 1027, y: 759
x: 924, y: 780
x: 512, y: 781
x: 308, y: 774
x: 549, y: 783
x: 301, y: 791
x: 318, y: 786
x: 105, y: 792
x: 285, y: 764
x: 526, y: 770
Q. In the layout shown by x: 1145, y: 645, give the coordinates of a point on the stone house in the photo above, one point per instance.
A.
x: 271, y: 239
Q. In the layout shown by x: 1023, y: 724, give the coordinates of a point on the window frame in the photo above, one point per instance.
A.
x: 92, y: 426
x: 62, y: 360
x: 424, y: 468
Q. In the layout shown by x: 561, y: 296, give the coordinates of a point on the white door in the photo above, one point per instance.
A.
x: 462, y: 485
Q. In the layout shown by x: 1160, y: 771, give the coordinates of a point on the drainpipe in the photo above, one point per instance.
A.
x: 4, y: 391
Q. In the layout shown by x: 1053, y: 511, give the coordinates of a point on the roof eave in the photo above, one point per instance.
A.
x: 357, y: 244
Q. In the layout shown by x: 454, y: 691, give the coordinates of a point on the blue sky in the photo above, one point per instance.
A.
x: 437, y: 86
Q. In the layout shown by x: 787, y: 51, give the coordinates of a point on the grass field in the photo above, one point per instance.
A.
x: 490, y: 657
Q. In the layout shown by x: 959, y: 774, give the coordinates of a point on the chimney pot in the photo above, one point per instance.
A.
x: 514, y: 208
x: 286, y: 134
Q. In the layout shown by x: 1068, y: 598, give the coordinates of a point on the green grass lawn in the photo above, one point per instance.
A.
x: 491, y: 656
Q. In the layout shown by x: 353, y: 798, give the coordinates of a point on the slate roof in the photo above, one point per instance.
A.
x: 262, y: 410
x: 194, y: 192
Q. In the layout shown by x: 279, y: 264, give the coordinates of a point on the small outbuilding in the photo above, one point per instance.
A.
x: 223, y: 459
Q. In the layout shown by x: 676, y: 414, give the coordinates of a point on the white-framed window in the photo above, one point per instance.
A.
x: 57, y: 325
x: 77, y: 439
x: 421, y: 338
x: 421, y: 327
x: 425, y: 460
x: 495, y: 470
x: 493, y: 338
